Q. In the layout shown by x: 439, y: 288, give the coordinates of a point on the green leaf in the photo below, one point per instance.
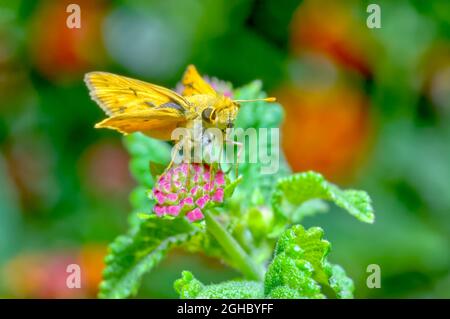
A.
x: 205, y: 243
x: 144, y: 150
x: 299, y: 268
x: 292, y: 192
x: 298, y: 264
x: 131, y: 256
x: 258, y: 115
x: 309, y: 244
x: 231, y: 186
x: 156, y: 169
x: 341, y: 284
x: 189, y: 288
x: 289, y: 278
x: 309, y: 208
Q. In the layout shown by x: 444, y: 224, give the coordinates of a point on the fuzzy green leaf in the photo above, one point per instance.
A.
x: 256, y: 115
x: 288, y: 278
x: 341, y: 284
x: 309, y: 244
x: 251, y: 114
x: 291, y: 192
x: 309, y: 208
x: 299, y: 268
x: 131, y: 256
x: 144, y: 150
x: 204, y: 243
x: 298, y: 264
x: 189, y: 288
x: 231, y: 186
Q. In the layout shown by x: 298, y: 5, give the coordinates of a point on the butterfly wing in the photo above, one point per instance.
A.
x: 158, y: 123
x: 118, y: 94
x: 194, y: 84
x: 135, y: 105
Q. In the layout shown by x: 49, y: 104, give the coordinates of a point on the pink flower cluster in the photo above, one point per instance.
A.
x: 185, y: 189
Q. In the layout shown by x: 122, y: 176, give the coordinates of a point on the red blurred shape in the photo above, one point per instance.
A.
x: 60, y: 52
x: 329, y: 27
x: 325, y: 129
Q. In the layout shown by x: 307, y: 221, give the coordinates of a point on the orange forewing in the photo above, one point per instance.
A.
x: 135, y: 105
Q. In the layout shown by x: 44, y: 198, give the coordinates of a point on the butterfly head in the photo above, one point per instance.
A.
x: 227, y: 113
x: 224, y: 112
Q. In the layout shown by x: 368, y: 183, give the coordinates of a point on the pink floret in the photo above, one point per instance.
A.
x: 220, y: 178
x: 194, y: 215
x: 208, y: 187
x: 172, y: 197
x: 159, y: 210
x: 201, y: 202
x: 194, y: 190
x: 160, y: 197
x: 218, y: 195
x: 173, y: 210
x: 187, y: 201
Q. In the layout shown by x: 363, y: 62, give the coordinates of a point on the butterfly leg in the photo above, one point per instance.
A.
x: 220, y: 157
x: 211, y: 172
x: 176, y: 148
x: 188, y: 175
x: 168, y: 166
x: 239, y: 146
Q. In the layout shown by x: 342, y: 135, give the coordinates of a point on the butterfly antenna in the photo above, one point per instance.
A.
x: 267, y: 99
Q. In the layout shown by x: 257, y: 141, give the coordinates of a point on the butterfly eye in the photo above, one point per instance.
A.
x: 208, y: 114
x: 213, y: 115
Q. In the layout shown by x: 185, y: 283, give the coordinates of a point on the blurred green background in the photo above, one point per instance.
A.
x: 368, y: 108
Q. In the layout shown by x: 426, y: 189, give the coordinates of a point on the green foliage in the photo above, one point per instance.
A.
x: 308, y: 208
x: 299, y: 267
x: 289, y: 278
x: 190, y: 288
x: 9, y: 216
x: 292, y: 192
x: 144, y: 150
x: 131, y: 256
x: 309, y: 245
x: 339, y: 282
x: 259, y: 115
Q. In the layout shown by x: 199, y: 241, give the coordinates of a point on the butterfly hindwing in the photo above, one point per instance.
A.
x: 158, y: 123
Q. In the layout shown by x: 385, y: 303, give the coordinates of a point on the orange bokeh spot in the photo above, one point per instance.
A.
x: 61, y: 52
x: 331, y: 28
x: 324, y: 130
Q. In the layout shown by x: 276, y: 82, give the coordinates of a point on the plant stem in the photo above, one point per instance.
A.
x: 245, y: 264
